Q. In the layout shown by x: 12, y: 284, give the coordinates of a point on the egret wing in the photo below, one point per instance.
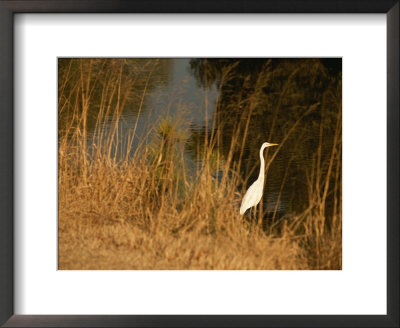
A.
x: 252, y: 197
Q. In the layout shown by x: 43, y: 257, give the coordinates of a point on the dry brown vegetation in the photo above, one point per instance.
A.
x: 143, y: 210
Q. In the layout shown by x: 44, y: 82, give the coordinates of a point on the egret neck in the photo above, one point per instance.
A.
x: 261, y: 175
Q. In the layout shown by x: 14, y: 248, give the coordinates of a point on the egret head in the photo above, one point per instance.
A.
x: 267, y: 144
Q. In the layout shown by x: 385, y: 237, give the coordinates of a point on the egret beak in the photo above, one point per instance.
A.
x: 272, y: 145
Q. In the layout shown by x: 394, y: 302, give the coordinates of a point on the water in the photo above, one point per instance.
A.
x: 277, y: 95
x: 174, y: 93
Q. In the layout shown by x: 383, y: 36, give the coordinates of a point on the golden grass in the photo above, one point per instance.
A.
x: 144, y: 211
x: 119, y: 217
x: 124, y: 246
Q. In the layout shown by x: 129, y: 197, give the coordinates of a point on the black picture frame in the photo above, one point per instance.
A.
x: 7, y: 10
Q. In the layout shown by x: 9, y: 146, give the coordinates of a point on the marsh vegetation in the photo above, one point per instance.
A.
x: 155, y: 156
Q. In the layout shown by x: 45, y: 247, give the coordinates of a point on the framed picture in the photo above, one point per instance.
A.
x: 217, y: 164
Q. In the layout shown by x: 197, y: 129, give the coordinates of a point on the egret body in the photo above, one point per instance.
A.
x: 254, y: 193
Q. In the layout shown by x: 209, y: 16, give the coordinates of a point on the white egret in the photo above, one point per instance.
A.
x: 254, y: 193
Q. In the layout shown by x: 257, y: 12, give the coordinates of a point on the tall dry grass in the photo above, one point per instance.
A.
x: 125, y: 207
